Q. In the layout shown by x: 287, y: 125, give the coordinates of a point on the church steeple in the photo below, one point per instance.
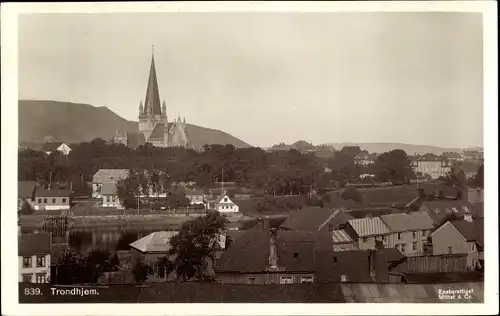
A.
x: 152, y: 102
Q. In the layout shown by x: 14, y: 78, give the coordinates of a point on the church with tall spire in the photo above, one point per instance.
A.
x: 154, y: 127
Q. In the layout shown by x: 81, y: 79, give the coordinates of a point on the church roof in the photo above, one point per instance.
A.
x: 152, y: 103
x: 158, y: 132
x: 135, y: 140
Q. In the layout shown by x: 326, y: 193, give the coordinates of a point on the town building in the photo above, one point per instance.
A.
x: 366, y: 232
x: 61, y: 147
x: 224, y: 204
x: 469, y: 168
x: 196, y: 197
x: 365, y: 159
x: 110, y: 195
x: 106, y: 176
x: 452, y: 156
x: 51, y: 200
x: 432, y: 165
x: 154, y: 127
x: 34, y: 258
x: 342, y: 241
x: 473, y: 155
x: 465, y: 236
x: 409, y: 232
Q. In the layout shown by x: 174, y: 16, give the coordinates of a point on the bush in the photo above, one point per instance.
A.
x: 352, y: 194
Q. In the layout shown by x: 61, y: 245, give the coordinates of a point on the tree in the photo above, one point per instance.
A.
x: 141, y: 272
x: 479, y: 178
x: 393, y: 166
x: 350, y: 151
x: 197, y: 241
x: 352, y: 194
x: 165, y: 267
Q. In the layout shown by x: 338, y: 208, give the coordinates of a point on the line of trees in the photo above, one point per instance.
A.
x: 280, y: 172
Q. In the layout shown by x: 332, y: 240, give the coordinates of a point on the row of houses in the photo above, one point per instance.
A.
x: 104, y: 187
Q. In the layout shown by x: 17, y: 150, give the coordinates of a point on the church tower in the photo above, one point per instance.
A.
x: 150, y: 115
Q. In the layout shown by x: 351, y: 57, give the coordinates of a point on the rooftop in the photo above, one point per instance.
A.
x: 26, y: 189
x: 314, y: 219
x: 52, y: 193
x: 402, y: 222
x: 108, y: 188
x: 369, y: 226
x: 154, y: 242
x: 472, y: 231
x: 109, y: 175
x: 33, y: 244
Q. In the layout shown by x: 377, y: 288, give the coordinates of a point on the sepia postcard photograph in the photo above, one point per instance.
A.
x: 340, y: 155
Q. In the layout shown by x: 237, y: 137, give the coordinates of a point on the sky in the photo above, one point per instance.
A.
x: 276, y: 77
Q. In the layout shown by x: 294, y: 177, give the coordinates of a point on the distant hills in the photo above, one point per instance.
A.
x: 74, y: 122
x: 410, y: 149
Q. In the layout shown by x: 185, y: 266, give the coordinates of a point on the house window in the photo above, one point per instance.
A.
x: 40, y: 201
x: 45, y: 201
x: 64, y: 200
x: 450, y: 250
x: 414, y: 235
x: 40, y: 261
x: 251, y: 280
x: 40, y: 278
x: 473, y: 247
x: 107, y: 199
x: 26, y: 262
x: 402, y: 248
x: 364, y: 239
x: 27, y: 278
x: 286, y: 280
x: 400, y: 236
x: 306, y: 279
x: 414, y: 246
x: 225, y: 199
x: 53, y: 201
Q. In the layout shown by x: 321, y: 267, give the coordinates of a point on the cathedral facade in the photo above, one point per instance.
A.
x: 154, y: 127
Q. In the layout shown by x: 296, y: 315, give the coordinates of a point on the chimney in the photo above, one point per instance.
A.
x: 267, y: 223
x: 273, y: 249
x: 371, y: 262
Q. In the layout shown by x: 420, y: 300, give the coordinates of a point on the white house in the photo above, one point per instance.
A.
x: 61, y: 147
x: 106, y: 176
x: 109, y: 195
x: 34, y: 258
x: 56, y: 199
x: 196, y: 197
x: 224, y: 205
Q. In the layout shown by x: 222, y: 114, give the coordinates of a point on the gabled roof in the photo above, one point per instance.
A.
x: 472, y: 231
x: 369, y: 226
x: 158, y: 133
x: 221, y: 197
x: 52, y: 193
x: 194, y: 192
x: 438, y: 210
x: 33, y: 244
x: 403, y: 222
x: 51, y: 146
x: 108, y: 188
x: 135, y: 140
x: 340, y: 237
x: 250, y: 252
x: 355, y: 264
x: 154, y: 242
x: 26, y: 189
x: 109, y: 175
x: 314, y: 219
